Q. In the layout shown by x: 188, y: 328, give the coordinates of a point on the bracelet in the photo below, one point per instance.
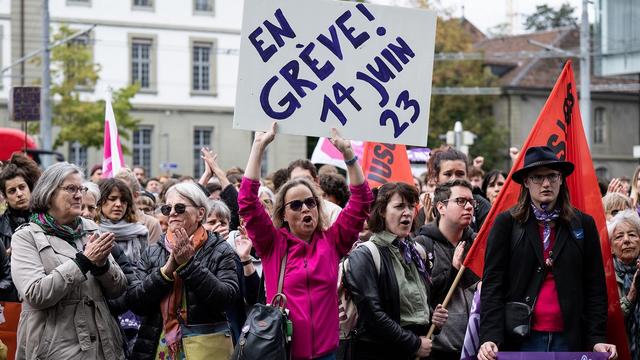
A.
x: 351, y: 161
x: 247, y: 262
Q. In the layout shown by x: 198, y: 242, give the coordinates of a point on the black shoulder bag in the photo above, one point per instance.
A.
x: 267, y: 332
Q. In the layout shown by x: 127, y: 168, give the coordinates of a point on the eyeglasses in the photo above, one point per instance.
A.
x: 180, y: 209
x: 462, y: 202
x: 539, y: 179
x: 296, y: 205
x: 74, y: 189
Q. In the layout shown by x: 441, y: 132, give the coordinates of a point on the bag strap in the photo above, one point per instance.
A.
x: 283, y: 263
x: 375, y: 253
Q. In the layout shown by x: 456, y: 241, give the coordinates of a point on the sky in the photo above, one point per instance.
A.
x: 486, y: 14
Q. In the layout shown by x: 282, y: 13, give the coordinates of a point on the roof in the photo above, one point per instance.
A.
x: 531, y: 69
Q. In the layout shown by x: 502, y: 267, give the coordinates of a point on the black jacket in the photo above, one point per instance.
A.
x: 229, y: 195
x: 210, y: 283
x: 7, y: 289
x: 9, y: 222
x: 451, y: 337
x: 119, y: 306
x: 514, y: 260
x: 378, y: 302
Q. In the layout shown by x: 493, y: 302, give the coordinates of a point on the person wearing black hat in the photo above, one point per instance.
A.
x: 543, y: 285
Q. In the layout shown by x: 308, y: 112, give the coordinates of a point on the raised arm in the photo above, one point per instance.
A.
x: 260, y: 143
x: 356, y: 177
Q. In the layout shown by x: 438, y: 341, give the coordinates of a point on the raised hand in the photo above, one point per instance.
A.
x: 478, y: 161
x: 183, y: 250
x: 243, y: 244
x: 344, y: 146
x: 458, y: 255
x: 265, y: 138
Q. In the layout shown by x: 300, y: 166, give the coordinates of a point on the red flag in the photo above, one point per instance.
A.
x: 383, y: 163
x: 559, y: 126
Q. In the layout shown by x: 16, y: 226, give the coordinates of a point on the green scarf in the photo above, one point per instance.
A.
x: 65, y: 232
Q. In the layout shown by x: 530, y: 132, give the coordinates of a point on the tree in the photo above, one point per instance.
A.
x: 475, y: 112
x: 72, y: 70
x: 546, y: 18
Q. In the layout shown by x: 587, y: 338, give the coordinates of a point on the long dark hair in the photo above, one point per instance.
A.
x: 522, y: 209
x: 107, y: 186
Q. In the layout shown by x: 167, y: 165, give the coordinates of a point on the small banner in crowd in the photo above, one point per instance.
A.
x: 559, y: 126
x: 326, y: 153
x: 383, y: 163
x: 112, y: 160
x: 316, y: 64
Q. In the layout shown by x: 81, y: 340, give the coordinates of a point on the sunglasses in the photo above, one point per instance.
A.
x: 296, y: 205
x: 180, y: 209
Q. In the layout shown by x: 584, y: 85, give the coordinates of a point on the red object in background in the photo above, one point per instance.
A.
x: 12, y: 140
x: 9, y: 329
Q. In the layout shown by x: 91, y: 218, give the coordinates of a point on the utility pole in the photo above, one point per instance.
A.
x: 45, y: 103
x: 585, y: 72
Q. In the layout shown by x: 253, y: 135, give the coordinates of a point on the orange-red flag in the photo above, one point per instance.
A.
x: 383, y: 163
x: 559, y: 126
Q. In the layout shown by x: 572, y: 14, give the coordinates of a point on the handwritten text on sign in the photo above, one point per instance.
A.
x: 313, y: 64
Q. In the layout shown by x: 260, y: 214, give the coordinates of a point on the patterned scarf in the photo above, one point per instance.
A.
x: 68, y: 233
x: 411, y: 254
x: 171, y: 305
x: 626, y: 272
x: 546, y: 217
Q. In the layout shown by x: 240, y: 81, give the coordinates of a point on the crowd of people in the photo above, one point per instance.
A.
x: 164, y: 268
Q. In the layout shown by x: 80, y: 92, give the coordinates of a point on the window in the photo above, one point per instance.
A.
x: 203, y: 67
x: 201, y: 138
x: 143, y: 4
x: 203, y: 6
x: 143, y: 62
x: 78, y: 2
x: 602, y: 172
x: 78, y: 154
x: 142, y: 148
x: 599, y: 126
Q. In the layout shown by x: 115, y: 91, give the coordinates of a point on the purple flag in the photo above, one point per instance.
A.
x: 472, y: 336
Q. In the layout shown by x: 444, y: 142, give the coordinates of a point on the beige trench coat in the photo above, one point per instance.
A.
x: 64, y: 313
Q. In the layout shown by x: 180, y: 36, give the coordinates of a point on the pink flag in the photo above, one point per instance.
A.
x: 112, y: 160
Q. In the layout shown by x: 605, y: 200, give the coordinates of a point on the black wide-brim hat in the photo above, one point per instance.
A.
x: 541, y: 156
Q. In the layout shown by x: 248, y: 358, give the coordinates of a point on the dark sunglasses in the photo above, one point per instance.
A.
x: 296, y: 205
x: 180, y: 209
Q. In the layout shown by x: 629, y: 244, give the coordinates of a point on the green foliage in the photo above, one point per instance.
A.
x: 546, y: 17
x: 72, y: 70
x: 475, y: 112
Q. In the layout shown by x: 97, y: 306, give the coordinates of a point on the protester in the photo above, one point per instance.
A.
x: 417, y: 182
x: 162, y: 220
x: 90, y: 201
x: 624, y: 235
x: 312, y: 251
x: 280, y: 177
x: 165, y: 187
x: 214, y: 188
x: 229, y: 193
x: 393, y: 302
x: 492, y: 184
x: 146, y: 203
x: 305, y: 168
x: 148, y: 221
x: 635, y: 189
x: 218, y: 218
x: 17, y: 179
x: 615, y: 202
x: 139, y: 172
x: 543, y: 254
x: 95, y: 175
x: 63, y: 272
x: 476, y: 176
x: 118, y: 215
x: 186, y: 261
x: 447, y: 164
x: 450, y: 238
x: 154, y: 186
x: 267, y: 198
x: 334, y: 188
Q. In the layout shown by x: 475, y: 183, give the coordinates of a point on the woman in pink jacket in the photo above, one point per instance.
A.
x: 313, y: 251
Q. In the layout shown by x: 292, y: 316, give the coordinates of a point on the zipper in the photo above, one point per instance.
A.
x: 306, y: 269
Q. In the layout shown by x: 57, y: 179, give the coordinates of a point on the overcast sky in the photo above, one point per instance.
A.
x: 486, y: 14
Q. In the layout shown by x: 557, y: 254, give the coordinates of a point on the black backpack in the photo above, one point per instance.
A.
x: 267, y: 332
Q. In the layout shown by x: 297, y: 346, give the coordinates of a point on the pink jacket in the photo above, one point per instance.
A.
x: 311, y: 273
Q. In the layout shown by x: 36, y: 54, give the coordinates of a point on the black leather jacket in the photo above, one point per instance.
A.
x: 7, y: 290
x: 210, y: 283
x: 378, y: 301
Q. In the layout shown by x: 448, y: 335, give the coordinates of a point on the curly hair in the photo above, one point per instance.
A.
x: 444, y: 153
x: 335, y: 185
x: 19, y: 165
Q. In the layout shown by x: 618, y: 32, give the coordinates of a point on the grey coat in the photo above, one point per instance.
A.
x: 64, y: 313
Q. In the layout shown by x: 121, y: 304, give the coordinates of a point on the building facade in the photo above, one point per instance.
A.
x: 184, y: 56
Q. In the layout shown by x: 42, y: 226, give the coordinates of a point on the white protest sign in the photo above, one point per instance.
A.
x: 316, y: 64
